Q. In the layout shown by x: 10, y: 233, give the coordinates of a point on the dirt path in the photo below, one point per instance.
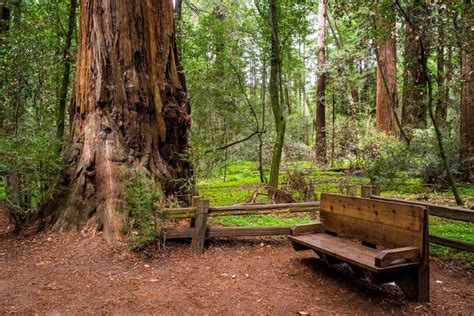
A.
x: 73, y: 274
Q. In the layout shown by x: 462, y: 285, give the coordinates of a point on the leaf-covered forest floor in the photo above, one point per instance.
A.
x: 72, y: 273
x: 242, y: 181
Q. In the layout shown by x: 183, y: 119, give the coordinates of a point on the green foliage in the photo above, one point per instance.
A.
x: 425, y: 158
x: 143, y: 195
x: 381, y: 156
x: 262, y: 220
x: 32, y: 156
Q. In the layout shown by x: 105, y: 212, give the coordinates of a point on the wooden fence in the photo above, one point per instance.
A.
x: 200, y: 211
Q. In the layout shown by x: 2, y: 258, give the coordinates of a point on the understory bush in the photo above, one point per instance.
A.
x: 381, y: 156
x: 29, y: 163
x: 144, y: 196
x: 425, y: 160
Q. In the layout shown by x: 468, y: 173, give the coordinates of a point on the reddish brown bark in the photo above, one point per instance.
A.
x: 467, y: 92
x: 129, y: 112
x: 386, y: 71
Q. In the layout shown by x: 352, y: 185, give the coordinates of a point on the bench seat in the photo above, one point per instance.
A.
x: 348, y: 251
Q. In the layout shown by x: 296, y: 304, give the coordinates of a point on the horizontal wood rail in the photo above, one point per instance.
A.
x: 187, y: 232
x: 262, y: 208
x: 452, y: 243
x: 243, y: 209
x: 456, y: 213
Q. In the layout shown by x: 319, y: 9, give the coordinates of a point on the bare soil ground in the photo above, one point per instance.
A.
x: 70, y: 273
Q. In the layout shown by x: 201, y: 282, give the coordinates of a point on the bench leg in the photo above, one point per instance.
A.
x: 299, y: 247
x: 416, y: 284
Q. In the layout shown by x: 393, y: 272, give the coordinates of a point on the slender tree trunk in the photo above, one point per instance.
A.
x: 386, y: 70
x: 441, y: 101
x: 130, y: 113
x: 264, y: 105
x: 414, y: 83
x: 5, y: 18
x: 178, y: 8
x: 320, y: 119
x: 67, y: 59
x: 275, y: 89
x: 466, y: 153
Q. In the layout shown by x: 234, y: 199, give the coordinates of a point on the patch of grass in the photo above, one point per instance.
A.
x: 262, y: 220
x: 456, y: 230
x: 221, y: 196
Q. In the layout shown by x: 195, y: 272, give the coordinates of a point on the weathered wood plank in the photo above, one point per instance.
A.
x: 456, y: 213
x: 247, y: 231
x: 307, y: 228
x: 346, y: 250
x: 391, y: 214
x: 386, y: 257
x: 185, y: 232
x: 177, y: 213
x: 372, y: 232
x: 178, y: 232
x: 453, y: 243
x: 293, y: 207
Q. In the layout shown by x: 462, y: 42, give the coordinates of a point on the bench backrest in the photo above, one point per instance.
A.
x: 383, y: 223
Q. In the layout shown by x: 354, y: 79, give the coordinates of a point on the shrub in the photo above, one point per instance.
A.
x: 381, y: 156
x: 143, y: 195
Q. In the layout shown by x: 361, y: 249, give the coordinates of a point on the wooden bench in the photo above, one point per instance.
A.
x: 388, y: 240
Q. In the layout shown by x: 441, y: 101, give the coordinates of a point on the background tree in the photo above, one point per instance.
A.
x: 414, y: 83
x: 320, y: 120
x: 467, y: 90
x: 386, y: 69
x: 275, y: 86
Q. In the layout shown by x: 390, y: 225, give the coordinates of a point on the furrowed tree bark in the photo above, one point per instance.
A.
x: 274, y: 87
x: 130, y: 113
x: 386, y: 46
x: 67, y: 59
x: 466, y: 153
x: 320, y: 119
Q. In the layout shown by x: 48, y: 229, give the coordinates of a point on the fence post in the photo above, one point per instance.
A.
x: 200, y: 226
x: 375, y: 190
x: 194, y: 202
x: 351, y: 190
x: 365, y: 191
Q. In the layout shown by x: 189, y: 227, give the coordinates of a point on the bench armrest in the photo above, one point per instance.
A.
x: 387, y: 257
x: 307, y: 228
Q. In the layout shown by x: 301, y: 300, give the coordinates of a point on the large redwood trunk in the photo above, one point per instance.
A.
x: 129, y: 112
x: 386, y: 70
x: 467, y: 93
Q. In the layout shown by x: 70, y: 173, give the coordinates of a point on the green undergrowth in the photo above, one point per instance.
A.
x: 262, y: 220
